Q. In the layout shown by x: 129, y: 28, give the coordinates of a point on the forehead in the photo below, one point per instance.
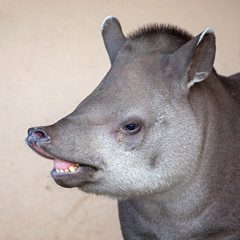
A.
x: 134, y: 72
x: 137, y: 72
x: 125, y: 89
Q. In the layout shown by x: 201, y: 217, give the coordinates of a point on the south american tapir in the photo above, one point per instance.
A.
x: 160, y: 133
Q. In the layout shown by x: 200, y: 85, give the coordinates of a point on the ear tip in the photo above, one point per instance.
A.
x: 107, y: 20
x: 209, y: 30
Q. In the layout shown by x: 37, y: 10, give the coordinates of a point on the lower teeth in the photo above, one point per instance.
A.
x: 70, y: 169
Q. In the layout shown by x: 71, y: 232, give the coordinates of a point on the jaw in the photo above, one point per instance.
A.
x: 66, y: 173
x: 80, y: 177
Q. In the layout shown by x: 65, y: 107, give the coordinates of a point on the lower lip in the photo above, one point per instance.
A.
x: 79, y: 178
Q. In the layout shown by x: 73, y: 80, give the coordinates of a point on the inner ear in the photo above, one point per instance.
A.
x: 202, y: 61
x: 193, y: 62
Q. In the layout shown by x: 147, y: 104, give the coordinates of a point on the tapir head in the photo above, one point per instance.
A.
x: 137, y: 132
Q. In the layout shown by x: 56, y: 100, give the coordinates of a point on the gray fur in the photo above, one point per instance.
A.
x: 178, y: 175
x: 113, y: 36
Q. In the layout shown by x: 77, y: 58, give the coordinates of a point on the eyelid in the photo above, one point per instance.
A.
x: 130, y: 120
x: 132, y: 131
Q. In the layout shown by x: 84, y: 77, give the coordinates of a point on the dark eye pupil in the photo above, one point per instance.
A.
x: 131, y: 127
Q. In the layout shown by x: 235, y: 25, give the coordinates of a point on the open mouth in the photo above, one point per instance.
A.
x: 65, y: 173
x: 63, y: 167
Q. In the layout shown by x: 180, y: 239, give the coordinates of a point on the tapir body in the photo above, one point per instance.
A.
x: 160, y: 133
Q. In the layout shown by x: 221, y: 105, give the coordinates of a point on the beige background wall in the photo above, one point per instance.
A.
x: 51, y: 57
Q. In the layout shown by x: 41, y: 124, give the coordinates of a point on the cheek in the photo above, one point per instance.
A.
x: 125, y: 140
x: 180, y: 146
x: 131, y: 142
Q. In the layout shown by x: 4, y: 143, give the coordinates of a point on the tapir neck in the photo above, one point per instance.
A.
x: 207, y: 205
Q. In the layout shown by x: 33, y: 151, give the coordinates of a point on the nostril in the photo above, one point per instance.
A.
x: 39, y: 134
x: 36, y: 135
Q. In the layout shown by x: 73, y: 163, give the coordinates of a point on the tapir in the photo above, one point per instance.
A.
x: 160, y: 133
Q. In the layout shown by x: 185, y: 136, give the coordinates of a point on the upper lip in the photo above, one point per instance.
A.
x: 39, y: 150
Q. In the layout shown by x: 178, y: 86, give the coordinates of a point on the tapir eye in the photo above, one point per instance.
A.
x: 132, y: 128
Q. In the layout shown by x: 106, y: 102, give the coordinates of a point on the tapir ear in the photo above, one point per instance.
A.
x: 112, y: 36
x: 193, y: 62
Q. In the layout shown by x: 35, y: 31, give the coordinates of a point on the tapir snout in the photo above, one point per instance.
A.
x: 37, y: 135
x: 65, y: 173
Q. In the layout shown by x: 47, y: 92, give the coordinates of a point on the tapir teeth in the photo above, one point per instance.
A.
x: 70, y: 169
